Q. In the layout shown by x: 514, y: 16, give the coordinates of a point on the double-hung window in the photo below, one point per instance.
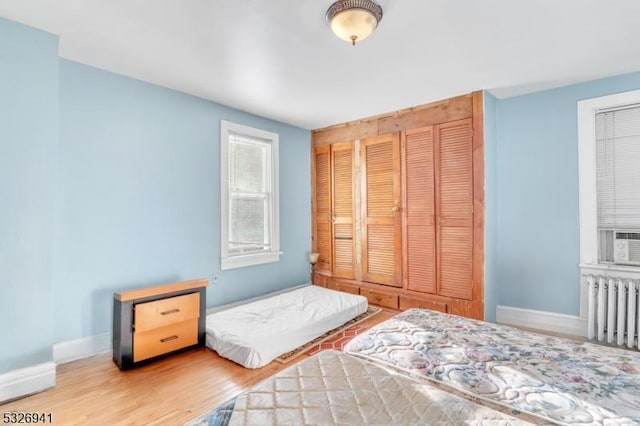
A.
x: 249, y: 191
x: 609, y: 152
x: 618, y: 184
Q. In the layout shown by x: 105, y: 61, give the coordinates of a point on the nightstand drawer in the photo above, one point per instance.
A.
x: 163, y: 312
x: 148, y: 344
x: 381, y: 299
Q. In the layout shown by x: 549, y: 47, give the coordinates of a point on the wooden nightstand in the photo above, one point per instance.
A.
x: 155, y: 321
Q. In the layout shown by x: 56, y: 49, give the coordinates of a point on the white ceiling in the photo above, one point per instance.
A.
x: 278, y: 59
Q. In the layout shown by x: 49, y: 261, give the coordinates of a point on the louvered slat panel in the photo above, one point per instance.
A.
x: 419, y: 174
x: 343, y: 231
x: 455, y: 178
x: 419, y: 201
x: 322, y: 190
x: 456, y: 170
x: 322, y: 205
x: 455, y: 262
x: 342, y: 172
x: 420, y: 259
x: 343, y: 250
x: 323, y: 246
x: 342, y: 183
x: 382, y: 242
x: 380, y: 197
x: 343, y: 260
x: 380, y: 259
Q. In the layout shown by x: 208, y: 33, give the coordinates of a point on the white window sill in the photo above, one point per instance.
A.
x: 249, y: 260
x: 621, y: 271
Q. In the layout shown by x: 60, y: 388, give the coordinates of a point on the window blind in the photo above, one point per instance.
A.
x: 618, y: 168
x: 250, y: 195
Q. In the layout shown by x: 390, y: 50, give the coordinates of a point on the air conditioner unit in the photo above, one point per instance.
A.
x: 626, y: 248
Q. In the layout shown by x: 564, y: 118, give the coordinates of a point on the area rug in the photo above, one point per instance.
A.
x: 336, y: 337
x: 338, y: 341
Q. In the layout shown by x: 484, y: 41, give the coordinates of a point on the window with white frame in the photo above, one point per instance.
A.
x: 609, y: 152
x: 618, y: 184
x: 249, y: 191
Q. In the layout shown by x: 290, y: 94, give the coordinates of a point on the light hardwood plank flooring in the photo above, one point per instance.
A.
x: 170, y: 391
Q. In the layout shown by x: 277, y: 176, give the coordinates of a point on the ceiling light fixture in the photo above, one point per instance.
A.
x: 354, y: 20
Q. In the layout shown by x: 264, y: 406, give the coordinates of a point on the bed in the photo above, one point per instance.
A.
x: 255, y: 333
x: 555, y: 379
x: 334, y: 388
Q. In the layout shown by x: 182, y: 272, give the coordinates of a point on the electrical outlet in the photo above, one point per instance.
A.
x: 216, y: 277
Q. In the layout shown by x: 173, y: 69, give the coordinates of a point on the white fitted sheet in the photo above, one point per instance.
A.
x: 256, y: 333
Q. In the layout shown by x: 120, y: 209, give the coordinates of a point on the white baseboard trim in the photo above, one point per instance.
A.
x: 541, y: 320
x: 85, y: 347
x: 26, y: 381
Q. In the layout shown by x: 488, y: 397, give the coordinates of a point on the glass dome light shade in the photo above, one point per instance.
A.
x: 353, y: 24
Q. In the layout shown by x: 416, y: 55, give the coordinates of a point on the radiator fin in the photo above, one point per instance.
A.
x: 612, y: 309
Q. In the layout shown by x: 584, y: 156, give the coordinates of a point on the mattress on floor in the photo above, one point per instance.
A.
x: 256, y: 333
x: 561, y: 380
x: 334, y: 388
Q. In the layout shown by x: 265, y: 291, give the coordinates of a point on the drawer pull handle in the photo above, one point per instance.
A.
x: 172, y: 311
x: 168, y: 339
x: 377, y: 298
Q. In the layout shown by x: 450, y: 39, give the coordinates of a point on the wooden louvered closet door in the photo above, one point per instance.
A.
x: 454, y: 207
x: 418, y: 233
x: 342, y: 189
x: 322, y: 236
x: 380, y: 207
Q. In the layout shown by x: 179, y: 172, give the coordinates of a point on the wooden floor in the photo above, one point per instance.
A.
x: 171, y: 391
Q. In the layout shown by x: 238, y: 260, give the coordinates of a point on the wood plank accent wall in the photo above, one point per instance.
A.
x: 416, y: 190
x: 443, y: 111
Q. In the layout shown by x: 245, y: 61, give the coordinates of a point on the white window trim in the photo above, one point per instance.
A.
x: 238, y: 261
x: 587, y: 110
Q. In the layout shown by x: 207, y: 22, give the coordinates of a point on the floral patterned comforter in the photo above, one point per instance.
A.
x: 556, y: 379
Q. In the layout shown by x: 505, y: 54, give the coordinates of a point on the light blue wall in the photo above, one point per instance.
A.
x: 537, y: 187
x: 28, y: 139
x: 139, y: 197
x: 491, y: 204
